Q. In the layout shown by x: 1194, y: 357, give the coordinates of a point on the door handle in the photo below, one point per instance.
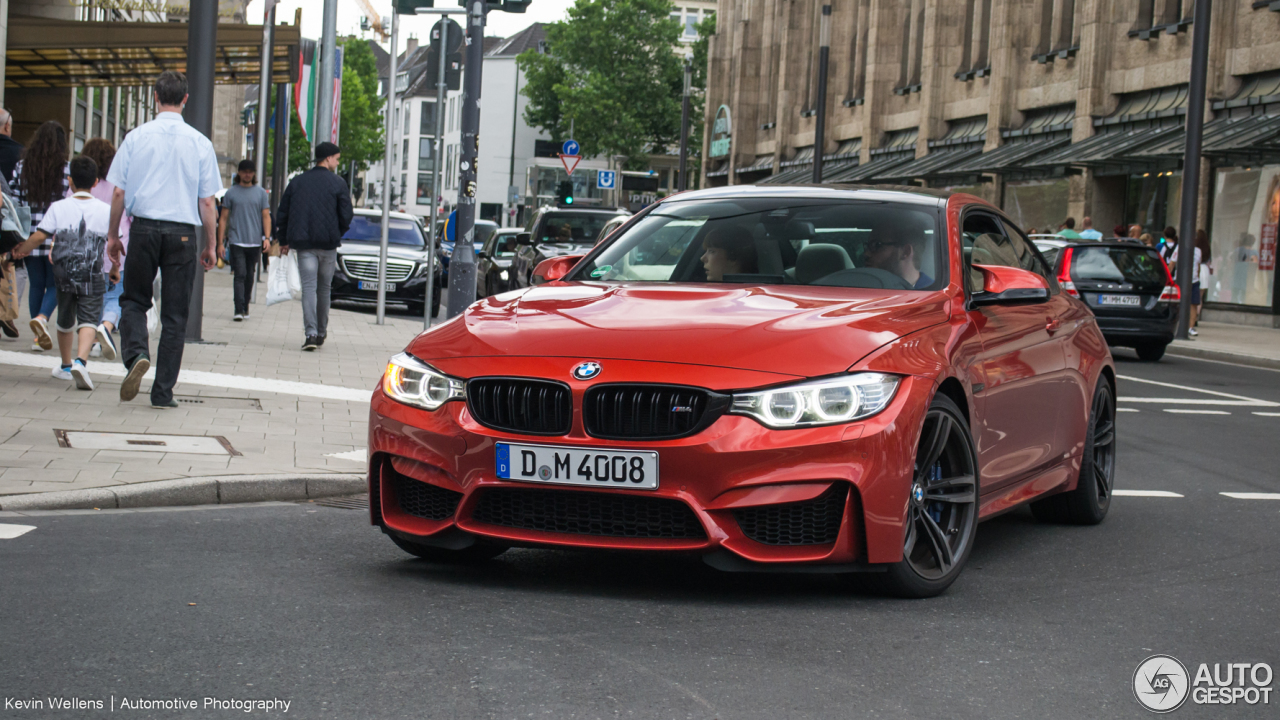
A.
x: 1052, y: 325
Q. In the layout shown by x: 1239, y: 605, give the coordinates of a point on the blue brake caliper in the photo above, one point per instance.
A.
x: 935, y: 508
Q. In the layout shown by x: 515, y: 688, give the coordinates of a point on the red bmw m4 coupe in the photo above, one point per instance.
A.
x: 812, y: 379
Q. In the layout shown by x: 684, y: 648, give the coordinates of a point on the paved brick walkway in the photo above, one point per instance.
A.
x: 296, y: 430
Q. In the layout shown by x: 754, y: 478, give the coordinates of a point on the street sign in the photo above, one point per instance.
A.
x: 570, y: 162
x: 450, y: 224
x: 570, y: 147
x: 606, y: 179
x: 513, y: 194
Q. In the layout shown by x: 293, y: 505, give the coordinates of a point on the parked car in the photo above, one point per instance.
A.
x: 825, y: 380
x: 610, y: 226
x: 1127, y: 286
x: 356, y: 277
x: 493, y: 269
x: 484, y: 228
x: 556, y: 231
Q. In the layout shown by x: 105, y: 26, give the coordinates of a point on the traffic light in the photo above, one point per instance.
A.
x: 511, y: 6
x: 564, y: 193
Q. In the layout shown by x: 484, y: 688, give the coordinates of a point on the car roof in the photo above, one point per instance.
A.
x: 371, y: 212
x: 577, y: 210
x: 895, y: 193
x: 1122, y: 243
x: 509, y: 231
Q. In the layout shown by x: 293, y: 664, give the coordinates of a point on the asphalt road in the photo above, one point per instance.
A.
x: 312, y: 605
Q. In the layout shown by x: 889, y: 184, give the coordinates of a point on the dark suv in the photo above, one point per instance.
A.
x: 555, y: 231
x: 1126, y: 284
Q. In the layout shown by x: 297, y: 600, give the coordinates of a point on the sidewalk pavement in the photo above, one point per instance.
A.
x: 286, y: 413
x: 1241, y: 344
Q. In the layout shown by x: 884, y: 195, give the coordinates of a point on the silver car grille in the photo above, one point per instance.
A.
x: 366, y: 268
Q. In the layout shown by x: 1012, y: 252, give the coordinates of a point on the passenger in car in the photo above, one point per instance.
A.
x: 728, y: 250
x: 899, y: 251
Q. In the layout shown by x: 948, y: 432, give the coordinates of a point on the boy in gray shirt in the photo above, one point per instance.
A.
x: 245, y: 221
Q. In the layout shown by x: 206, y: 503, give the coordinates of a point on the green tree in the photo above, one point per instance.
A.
x: 612, y: 71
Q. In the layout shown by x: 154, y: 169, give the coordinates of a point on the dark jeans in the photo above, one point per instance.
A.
x: 171, y: 249
x: 244, y: 266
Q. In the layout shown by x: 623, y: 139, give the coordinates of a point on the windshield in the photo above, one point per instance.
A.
x: 777, y: 241
x: 1139, y: 266
x: 400, y: 232
x: 572, y: 228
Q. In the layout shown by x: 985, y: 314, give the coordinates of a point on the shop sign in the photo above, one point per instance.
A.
x: 721, y: 133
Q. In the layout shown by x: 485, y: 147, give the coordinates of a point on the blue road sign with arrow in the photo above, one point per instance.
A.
x: 570, y: 147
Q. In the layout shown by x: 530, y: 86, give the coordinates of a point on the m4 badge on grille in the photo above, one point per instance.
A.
x: 681, y: 409
x: 586, y: 370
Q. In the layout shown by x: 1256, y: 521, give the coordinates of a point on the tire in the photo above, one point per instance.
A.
x: 474, y: 554
x: 942, y: 507
x: 1151, y: 352
x: 435, y: 302
x: 417, y: 309
x: 1089, y: 502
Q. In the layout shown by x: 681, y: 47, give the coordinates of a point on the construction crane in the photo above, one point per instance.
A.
x: 374, y: 19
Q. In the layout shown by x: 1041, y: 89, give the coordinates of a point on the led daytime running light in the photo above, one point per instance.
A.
x: 413, y: 382
x: 819, y: 402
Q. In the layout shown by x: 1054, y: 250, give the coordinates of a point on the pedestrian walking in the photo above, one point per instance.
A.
x: 166, y: 176
x: 103, y: 153
x: 313, y: 214
x: 10, y: 149
x: 1068, y: 229
x: 39, y: 180
x: 1088, y: 233
x: 1168, y: 248
x: 1200, y: 283
x: 77, y: 229
x: 245, y: 222
x: 1121, y: 232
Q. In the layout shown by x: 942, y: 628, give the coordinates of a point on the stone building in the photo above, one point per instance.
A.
x: 1048, y: 108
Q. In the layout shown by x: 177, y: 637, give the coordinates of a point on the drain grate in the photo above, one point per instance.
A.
x: 145, y: 442
x: 346, y: 502
x: 219, y: 402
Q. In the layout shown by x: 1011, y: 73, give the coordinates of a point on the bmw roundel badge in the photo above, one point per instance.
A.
x: 586, y: 370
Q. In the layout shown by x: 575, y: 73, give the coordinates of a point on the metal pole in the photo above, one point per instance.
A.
x: 511, y: 167
x: 438, y: 146
x: 1191, y: 161
x: 328, y: 49
x: 202, y: 41
x: 462, y: 266
x: 820, y: 125
x: 387, y: 118
x: 264, y: 93
x: 682, y: 183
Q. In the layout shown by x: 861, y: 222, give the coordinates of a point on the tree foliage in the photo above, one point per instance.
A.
x: 610, y: 69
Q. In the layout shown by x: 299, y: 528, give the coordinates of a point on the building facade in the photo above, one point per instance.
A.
x: 1048, y: 108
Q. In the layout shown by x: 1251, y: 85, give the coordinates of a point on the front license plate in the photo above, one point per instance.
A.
x: 593, y: 467
x: 373, y: 285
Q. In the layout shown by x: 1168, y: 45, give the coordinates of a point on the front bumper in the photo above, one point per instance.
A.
x: 726, y: 475
x: 412, y: 290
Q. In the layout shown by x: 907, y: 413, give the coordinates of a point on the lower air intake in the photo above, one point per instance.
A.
x: 588, y: 513
x: 812, y: 522
x: 425, y: 500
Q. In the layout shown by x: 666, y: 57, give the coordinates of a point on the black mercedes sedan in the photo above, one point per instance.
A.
x: 356, y: 279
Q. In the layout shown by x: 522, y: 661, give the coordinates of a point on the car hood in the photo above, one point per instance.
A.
x: 355, y: 247
x: 793, y: 330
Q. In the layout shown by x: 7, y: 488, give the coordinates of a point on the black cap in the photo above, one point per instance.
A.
x: 326, y: 149
x: 247, y: 165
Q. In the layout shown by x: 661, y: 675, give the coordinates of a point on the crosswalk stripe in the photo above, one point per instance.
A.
x: 1196, y: 412
x: 1146, y: 493
x: 1252, y: 496
x: 9, y: 532
x: 1266, y: 414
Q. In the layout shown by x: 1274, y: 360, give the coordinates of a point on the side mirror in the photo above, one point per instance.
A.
x: 524, y: 239
x: 553, y: 269
x: 1003, y: 285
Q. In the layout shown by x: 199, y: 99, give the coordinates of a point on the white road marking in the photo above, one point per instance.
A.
x: 1128, y: 410
x: 1197, y: 412
x: 1189, y: 401
x: 1267, y: 414
x: 360, y: 455
x: 1247, y: 400
x: 210, y: 379
x: 9, y: 532
x: 1146, y: 493
x: 1252, y: 496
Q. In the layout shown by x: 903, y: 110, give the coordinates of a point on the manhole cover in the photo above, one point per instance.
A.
x: 347, y: 502
x: 219, y: 402
x: 145, y: 442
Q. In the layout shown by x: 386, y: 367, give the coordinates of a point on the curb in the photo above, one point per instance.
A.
x: 214, y: 490
x: 1257, y: 361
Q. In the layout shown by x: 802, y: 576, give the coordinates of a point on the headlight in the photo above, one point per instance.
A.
x: 413, y: 382
x: 503, y: 275
x: 818, y: 402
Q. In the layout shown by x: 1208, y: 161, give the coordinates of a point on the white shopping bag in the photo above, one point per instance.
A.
x: 281, y: 276
x: 153, y: 313
x: 295, y: 278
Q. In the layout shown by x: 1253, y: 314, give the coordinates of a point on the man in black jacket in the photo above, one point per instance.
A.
x: 314, y: 212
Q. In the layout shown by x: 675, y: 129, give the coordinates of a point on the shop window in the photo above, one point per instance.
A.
x: 1243, y: 234
x: 1037, y: 206
x: 424, y: 189
x: 1153, y: 200
x: 427, y: 125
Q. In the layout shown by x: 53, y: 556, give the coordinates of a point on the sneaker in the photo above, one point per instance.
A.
x: 1193, y: 332
x: 129, y: 388
x: 9, y: 329
x: 35, y: 347
x: 245, y: 316
x: 320, y: 340
x: 237, y: 317
x: 171, y: 404
x: 80, y: 373
x: 41, y: 330
x: 96, y: 350
x: 62, y: 373
x: 311, y: 343
x: 107, y: 343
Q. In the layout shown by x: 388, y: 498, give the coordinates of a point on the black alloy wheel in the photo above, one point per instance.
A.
x: 942, y: 510
x: 1089, y: 502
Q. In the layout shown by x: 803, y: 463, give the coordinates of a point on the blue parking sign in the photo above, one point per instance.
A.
x: 606, y: 179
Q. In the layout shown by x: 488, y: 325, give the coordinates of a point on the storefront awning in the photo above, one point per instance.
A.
x: 862, y: 173
x: 1013, y: 155
x: 762, y: 163
x: 1107, y: 149
x: 940, y: 162
x: 45, y: 53
x: 1251, y: 139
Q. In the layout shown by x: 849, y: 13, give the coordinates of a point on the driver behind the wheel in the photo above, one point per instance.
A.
x: 899, y: 251
x: 728, y: 250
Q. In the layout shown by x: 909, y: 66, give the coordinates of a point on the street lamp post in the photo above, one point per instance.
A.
x: 1191, y: 161
x: 820, y: 125
x: 202, y: 40
x: 387, y: 119
x: 682, y: 183
x: 462, y: 266
x: 328, y: 53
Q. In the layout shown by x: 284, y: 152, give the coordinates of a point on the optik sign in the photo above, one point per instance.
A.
x: 721, y: 133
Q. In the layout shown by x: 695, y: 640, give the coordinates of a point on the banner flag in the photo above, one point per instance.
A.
x: 337, y: 92
x: 304, y: 93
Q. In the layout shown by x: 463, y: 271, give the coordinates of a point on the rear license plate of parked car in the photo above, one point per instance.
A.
x: 1119, y: 300
x: 373, y: 285
x: 578, y: 466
